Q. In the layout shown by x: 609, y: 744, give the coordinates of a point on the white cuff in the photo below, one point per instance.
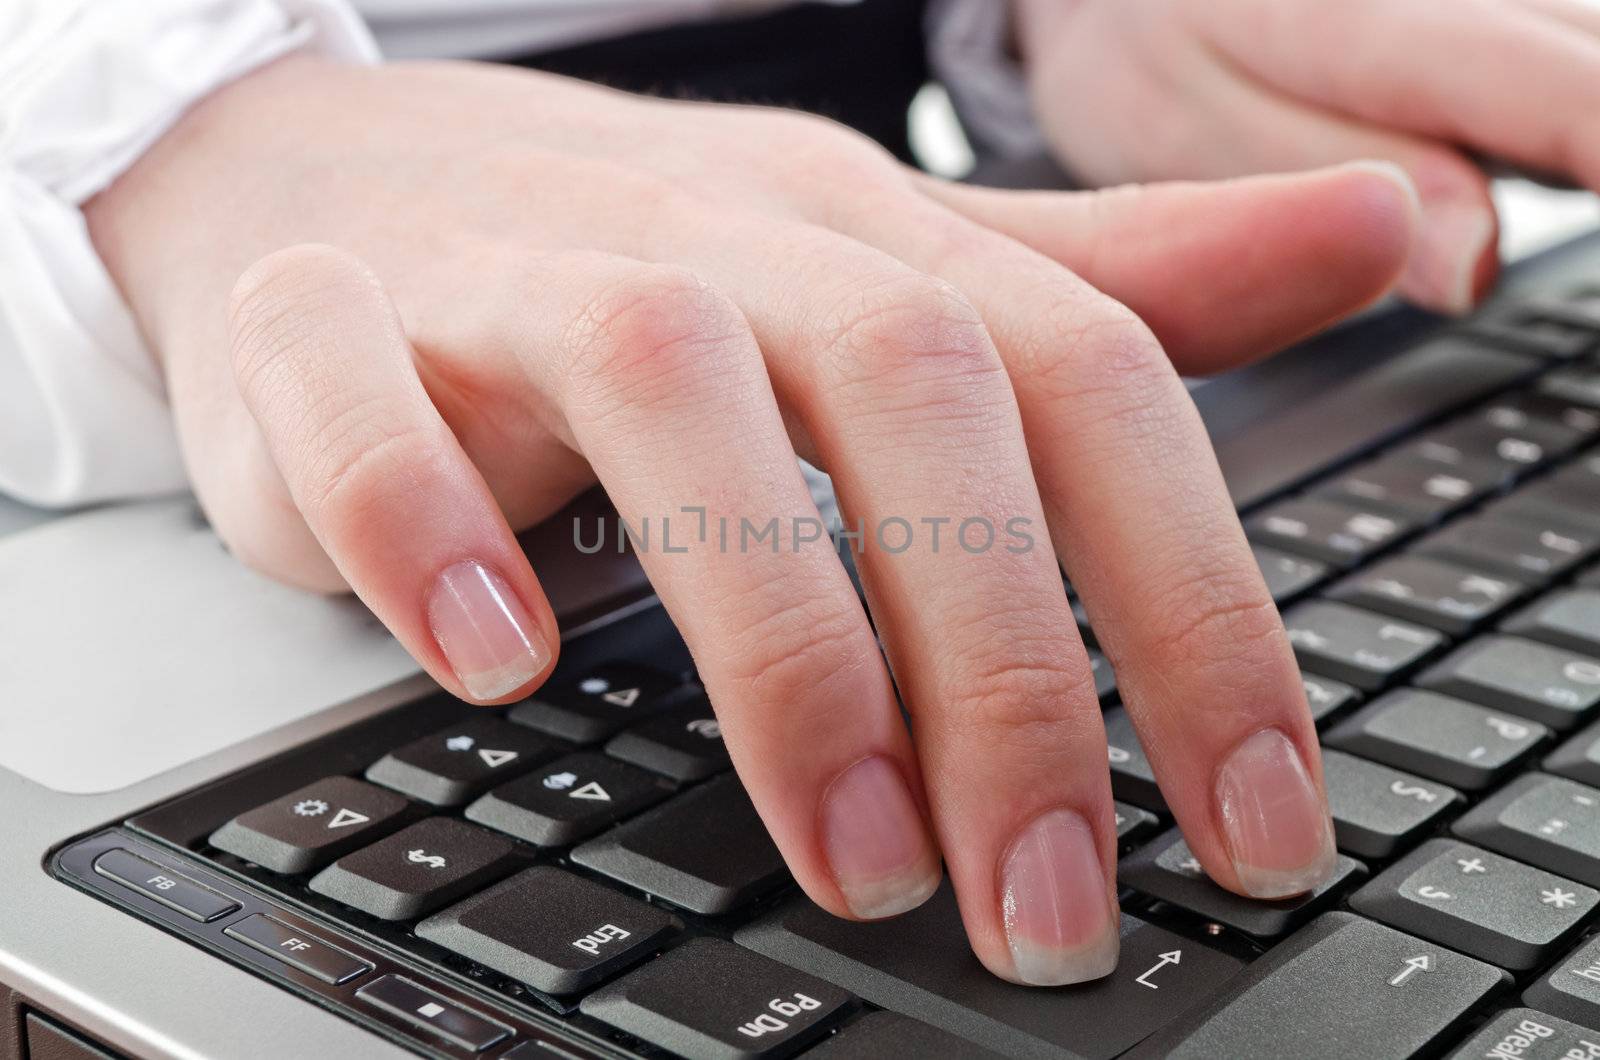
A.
x: 969, y: 54
x: 86, y: 86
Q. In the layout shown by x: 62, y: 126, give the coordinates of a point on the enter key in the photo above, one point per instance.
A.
x: 920, y: 964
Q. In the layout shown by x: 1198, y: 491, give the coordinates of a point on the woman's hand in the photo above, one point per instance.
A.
x: 541, y: 283
x: 1162, y: 89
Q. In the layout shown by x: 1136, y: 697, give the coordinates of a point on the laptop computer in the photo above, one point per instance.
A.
x: 239, y: 823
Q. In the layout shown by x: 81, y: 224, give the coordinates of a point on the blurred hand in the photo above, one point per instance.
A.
x: 540, y: 284
x: 1134, y: 90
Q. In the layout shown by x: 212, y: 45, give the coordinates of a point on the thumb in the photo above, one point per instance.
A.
x: 1223, y: 272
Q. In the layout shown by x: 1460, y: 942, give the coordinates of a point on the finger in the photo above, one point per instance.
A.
x: 1282, y: 256
x: 1140, y: 516
x: 1499, y: 77
x: 1579, y: 14
x: 1453, y: 258
x: 662, y: 387
x: 893, y: 377
x: 1249, y: 129
x: 323, y: 366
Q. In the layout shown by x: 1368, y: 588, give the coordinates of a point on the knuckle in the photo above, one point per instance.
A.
x: 282, y: 301
x: 1217, y: 624
x: 1094, y: 350
x: 1025, y: 700
x: 907, y: 327
x: 354, y: 467
x: 651, y: 329
x: 801, y: 649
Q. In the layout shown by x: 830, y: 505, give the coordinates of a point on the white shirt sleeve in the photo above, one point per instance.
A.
x: 86, y: 86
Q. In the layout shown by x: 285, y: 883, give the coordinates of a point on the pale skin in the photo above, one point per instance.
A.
x: 404, y: 312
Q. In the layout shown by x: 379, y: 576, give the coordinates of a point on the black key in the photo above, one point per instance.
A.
x: 1552, y: 686
x: 416, y: 870
x: 1469, y: 899
x: 885, y: 1035
x: 1287, y: 576
x: 1327, y: 697
x: 1335, y: 533
x: 1132, y: 779
x: 1579, y: 384
x: 1341, y: 987
x: 555, y: 931
x: 1166, y: 869
x: 171, y: 888
x: 1569, y: 618
x: 297, y: 948
x: 588, y: 707
x: 1511, y: 546
x: 308, y: 828
x: 1578, y: 758
x: 1498, y: 436
x: 1571, y: 989
x: 1444, y: 739
x: 712, y: 999
x: 1570, y: 495
x: 1429, y: 591
x: 1550, y: 822
x: 1545, y: 330
x: 1378, y: 810
x: 684, y: 743
x: 1577, y: 417
x: 420, y: 1007
x: 569, y: 800
x: 1528, y: 1034
x: 706, y: 850
x: 921, y: 964
x: 1133, y: 824
x: 1356, y: 646
x: 453, y: 765
x: 1420, y: 489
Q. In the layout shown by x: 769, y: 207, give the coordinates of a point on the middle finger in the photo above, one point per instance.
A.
x: 1140, y: 515
x: 894, y: 378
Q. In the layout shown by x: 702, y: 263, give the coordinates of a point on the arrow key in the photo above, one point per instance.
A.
x: 569, y: 800
x: 586, y: 708
x: 311, y: 826
x: 449, y: 767
x: 1340, y: 987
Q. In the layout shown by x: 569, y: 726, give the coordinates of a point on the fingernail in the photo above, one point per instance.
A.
x: 490, y: 640
x: 1393, y: 172
x: 1059, y: 920
x: 877, y: 845
x: 1276, y: 827
x: 1448, y: 260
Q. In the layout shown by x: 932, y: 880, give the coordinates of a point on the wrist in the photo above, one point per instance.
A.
x: 164, y: 227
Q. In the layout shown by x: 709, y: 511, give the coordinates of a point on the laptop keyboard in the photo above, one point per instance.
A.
x: 585, y: 862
